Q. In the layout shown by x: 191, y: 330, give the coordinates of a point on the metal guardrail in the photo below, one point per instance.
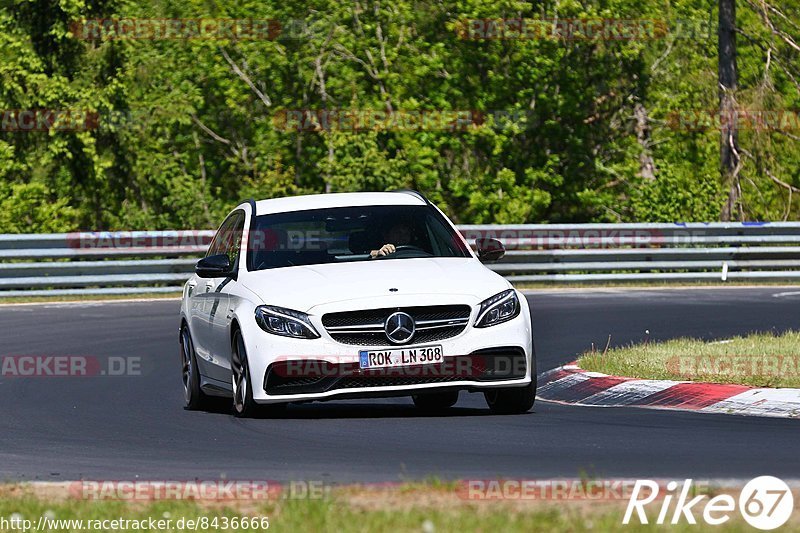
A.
x: 159, y: 262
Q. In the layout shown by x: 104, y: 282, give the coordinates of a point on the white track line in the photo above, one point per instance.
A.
x: 783, y: 403
x: 627, y: 392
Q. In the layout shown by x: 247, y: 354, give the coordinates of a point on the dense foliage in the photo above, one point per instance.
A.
x: 565, y: 129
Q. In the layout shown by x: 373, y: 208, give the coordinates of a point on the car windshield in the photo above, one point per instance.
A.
x: 343, y: 234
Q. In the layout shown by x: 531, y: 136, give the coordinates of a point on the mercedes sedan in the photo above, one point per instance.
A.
x: 352, y: 295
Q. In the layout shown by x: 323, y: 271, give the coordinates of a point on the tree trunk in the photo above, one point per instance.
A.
x: 729, y: 158
x: 647, y: 167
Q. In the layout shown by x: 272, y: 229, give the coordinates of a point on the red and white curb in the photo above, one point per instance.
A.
x: 570, y: 384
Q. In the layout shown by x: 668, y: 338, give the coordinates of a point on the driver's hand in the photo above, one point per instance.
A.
x: 385, y: 250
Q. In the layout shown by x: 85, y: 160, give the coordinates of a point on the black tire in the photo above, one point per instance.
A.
x: 437, y: 401
x: 243, y: 404
x: 193, y: 396
x: 514, y: 400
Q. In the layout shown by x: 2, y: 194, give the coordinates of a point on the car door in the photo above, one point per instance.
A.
x: 206, y: 302
x: 220, y: 312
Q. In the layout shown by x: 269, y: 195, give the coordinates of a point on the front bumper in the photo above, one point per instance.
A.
x: 292, y: 370
x: 315, y: 377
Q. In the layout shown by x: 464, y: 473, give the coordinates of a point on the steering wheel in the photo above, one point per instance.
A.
x: 398, y: 250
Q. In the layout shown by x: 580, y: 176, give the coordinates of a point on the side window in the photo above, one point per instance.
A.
x: 217, y: 244
x: 228, y: 239
x: 234, y: 243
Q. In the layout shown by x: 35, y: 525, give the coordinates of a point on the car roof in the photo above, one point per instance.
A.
x: 330, y: 200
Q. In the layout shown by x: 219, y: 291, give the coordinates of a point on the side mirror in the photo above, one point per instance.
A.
x: 214, y: 266
x: 490, y: 250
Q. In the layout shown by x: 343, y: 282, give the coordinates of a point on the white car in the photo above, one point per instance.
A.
x: 352, y: 295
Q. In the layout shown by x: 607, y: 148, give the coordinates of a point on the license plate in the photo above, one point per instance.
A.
x: 421, y: 355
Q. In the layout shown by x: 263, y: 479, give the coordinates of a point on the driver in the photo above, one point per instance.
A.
x: 398, y: 234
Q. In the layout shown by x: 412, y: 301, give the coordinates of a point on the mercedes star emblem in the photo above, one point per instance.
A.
x: 400, y: 327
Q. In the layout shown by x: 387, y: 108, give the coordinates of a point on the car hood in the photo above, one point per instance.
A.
x: 305, y: 287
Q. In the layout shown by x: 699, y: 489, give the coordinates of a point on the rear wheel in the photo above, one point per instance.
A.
x: 435, y: 401
x: 193, y: 396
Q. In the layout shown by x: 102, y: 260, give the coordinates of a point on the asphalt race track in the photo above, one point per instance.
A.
x: 58, y: 429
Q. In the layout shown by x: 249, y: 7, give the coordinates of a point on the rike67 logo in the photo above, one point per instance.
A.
x: 765, y: 503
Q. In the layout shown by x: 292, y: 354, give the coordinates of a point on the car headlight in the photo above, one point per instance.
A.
x: 285, y: 322
x: 498, y: 309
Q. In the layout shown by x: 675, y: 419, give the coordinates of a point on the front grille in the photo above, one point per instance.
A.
x: 314, y: 377
x: 379, y: 339
x: 366, y: 328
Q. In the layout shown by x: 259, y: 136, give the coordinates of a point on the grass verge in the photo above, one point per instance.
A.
x: 758, y: 360
x: 429, y: 508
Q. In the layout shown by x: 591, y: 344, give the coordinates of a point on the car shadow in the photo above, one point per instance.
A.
x: 351, y: 409
x: 333, y: 410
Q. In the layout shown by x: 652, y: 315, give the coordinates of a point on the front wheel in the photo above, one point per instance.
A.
x: 243, y: 404
x: 513, y: 400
